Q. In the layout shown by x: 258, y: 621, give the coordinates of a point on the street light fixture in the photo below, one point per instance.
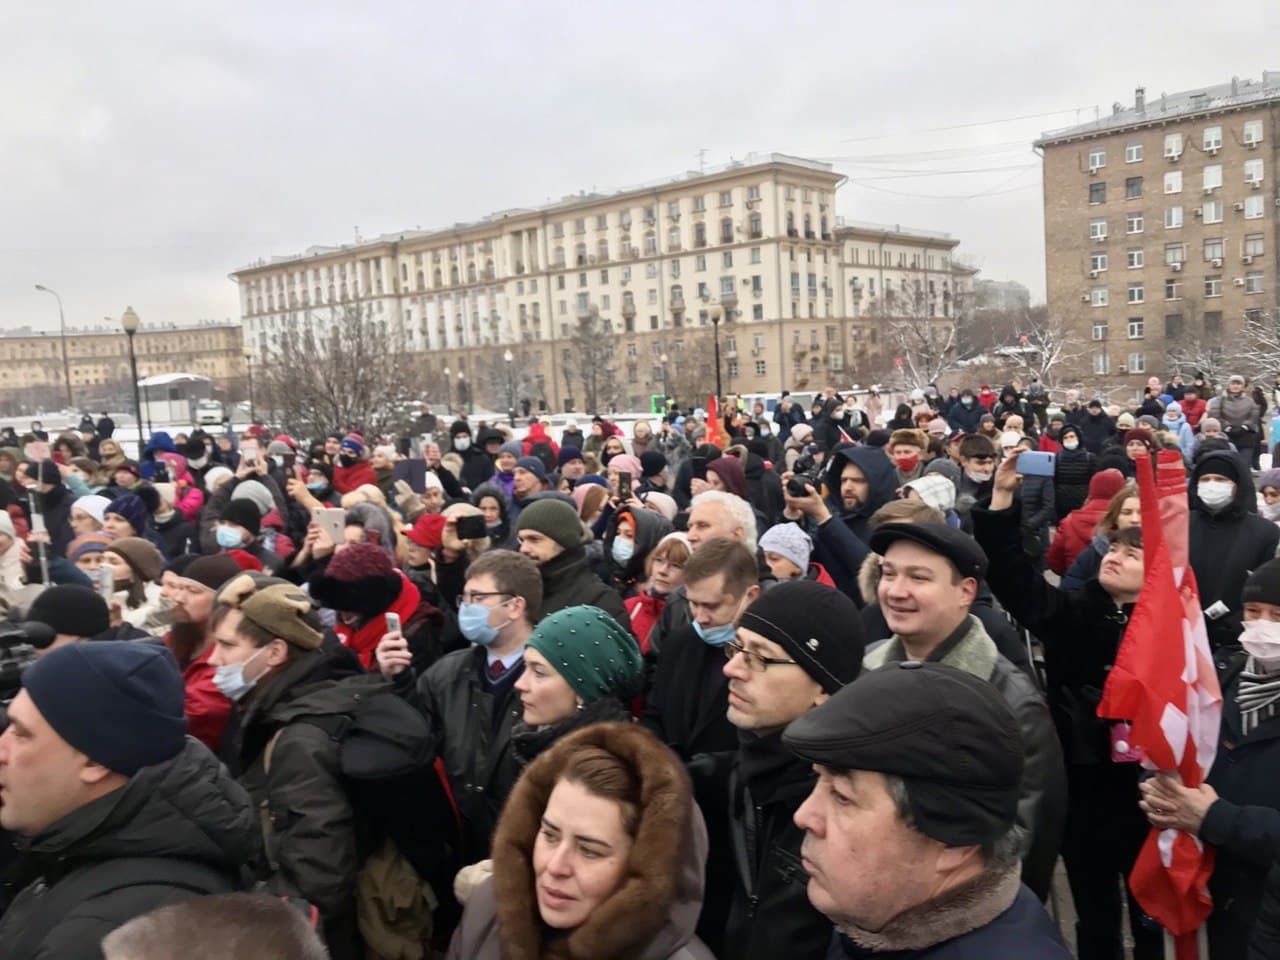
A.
x: 666, y: 390
x: 248, y: 368
x: 448, y: 389
x: 716, y: 311
x: 462, y: 390
x: 130, y: 323
x: 511, y: 389
x: 62, y: 327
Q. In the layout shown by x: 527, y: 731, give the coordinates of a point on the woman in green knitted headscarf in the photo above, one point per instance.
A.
x: 580, y: 667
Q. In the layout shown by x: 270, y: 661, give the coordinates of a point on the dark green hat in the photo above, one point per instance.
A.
x: 594, y: 654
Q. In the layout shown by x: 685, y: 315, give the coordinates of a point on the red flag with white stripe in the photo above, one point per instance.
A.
x: 1165, y: 684
x: 715, y: 426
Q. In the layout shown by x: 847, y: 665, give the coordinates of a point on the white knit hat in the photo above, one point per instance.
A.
x: 788, y: 540
x: 935, y: 490
x: 94, y: 505
x: 213, y: 475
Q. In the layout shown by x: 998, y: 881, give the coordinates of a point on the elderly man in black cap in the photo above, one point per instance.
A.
x: 796, y: 645
x: 910, y: 839
x: 929, y: 574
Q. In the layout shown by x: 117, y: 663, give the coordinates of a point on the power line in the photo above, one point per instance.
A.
x: 911, y: 174
x: 998, y: 189
x: 962, y: 126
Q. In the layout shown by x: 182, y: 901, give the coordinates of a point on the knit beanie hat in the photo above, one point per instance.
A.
x: 1125, y: 421
x: 568, y: 454
x: 1140, y: 435
x: 141, y: 555
x: 626, y: 463
x: 214, y: 475
x: 243, y: 513
x: 131, y: 507
x: 428, y: 530
x: 556, y: 520
x: 167, y: 492
x: 257, y: 494
x: 1263, y: 585
x: 594, y: 654
x: 788, y: 540
x: 280, y: 608
x: 731, y: 474
x: 1105, y: 484
x: 534, y: 466
x: 513, y: 447
x: 666, y: 504
x: 245, y: 560
x: 430, y: 481
x: 94, y: 505
x: 87, y: 543
x: 352, y: 445
x: 211, y: 571
x: 1269, y: 478
x: 359, y: 579
x: 70, y: 609
x: 119, y: 703
x: 935, y: 490
x: 652, y: 463
x: 938, y: 426
x: 818, y: 627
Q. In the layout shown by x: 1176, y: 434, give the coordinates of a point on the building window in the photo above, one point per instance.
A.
x: 1132, y: 152
x: 1133, y: 188
x: 602, y: 221
x: 1213, y: 249
x: 726, y: 287
x: 726, y: 198
x: 650, y: 243
x: 1098, y: 296
x: 760, y: 368
x: 1252, y: 132
x: 1137, y: 363
x: 1253, y: 281
x: 1134, y: 258
x: 1253, y: 207
x: 757, y: 284
x: 732, y: 369
x: 651, y: 296
x: 1253, y: 170
x: 1254, y: 245
x: 755, y: 254
x: 1173, y: 181
x: 580, y: 226
x: 753, y: 192
x: 1172, y: 326
x: 559, y: 230
x: 1213, y: 211
x: 1098, y: 228
x: 700, y: 262
x: 1097, y: 157
x: 1097, y: 262
x: 1213, y: 322
x: 1136, y: 294
x: 1173, y: 145
x: 1212, y: 176
x: 1133, y: 222
x: 1101, y: 364
x: 1172, y: 289
x: 757, y: 312
x: 1213, y: 138
x: 699, y: 203
x: 726, y: 230
x: 1100, y: 329
x: 1098, y: 192
x: 1172, y: 218
x: 673, y: 238
x: 1213, y: 285
x: 726, y: 259
x: 1137, y: 328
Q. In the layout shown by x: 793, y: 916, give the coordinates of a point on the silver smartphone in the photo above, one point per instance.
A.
x: 393, y: 623
x: 107, y: 582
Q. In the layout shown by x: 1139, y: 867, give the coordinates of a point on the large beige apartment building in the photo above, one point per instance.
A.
x: 1160, y: 226
x: 800, y: 295
x: 98, y: 361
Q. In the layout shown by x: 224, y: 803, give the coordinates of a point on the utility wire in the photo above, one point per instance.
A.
x: 963, y: 126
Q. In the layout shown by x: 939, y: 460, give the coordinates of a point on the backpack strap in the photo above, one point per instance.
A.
x: 108, y: 876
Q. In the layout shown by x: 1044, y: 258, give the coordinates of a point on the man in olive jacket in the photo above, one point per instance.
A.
x: 118, y: 810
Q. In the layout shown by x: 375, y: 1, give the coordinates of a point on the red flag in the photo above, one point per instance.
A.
x: 1165, y: 684
x: 844, y: 437
x: 715, y: 429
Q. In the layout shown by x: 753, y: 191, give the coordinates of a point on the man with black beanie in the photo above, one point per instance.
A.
x: 796, y: 645
x: 122, y: 811
x: 64, y: 614
x: 910, y: 844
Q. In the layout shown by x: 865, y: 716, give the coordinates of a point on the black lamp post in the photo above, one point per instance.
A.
x: 448, y: 389
x: 130, y: 324
x: 511, y: 389
x: 62, y: 329
x: 248, y: 369
x: 716, y: 312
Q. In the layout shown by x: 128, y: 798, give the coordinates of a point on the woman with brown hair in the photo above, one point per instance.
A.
x: 1123, y: 512
x: 599, y: 853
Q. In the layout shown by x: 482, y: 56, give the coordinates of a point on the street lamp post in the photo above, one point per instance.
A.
x: 448, y: 389
x: 716, y: 312
x: 511, y: 389
x: 62, y: 327
x: 462, y: 390
x: 248, y: 369
x: 666, y: 389
x: 130, y: 323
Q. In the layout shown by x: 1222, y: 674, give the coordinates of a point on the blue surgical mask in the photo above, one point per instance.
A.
x: 316, y: 487
x: 230, y: 680
x: 715, y: 636
x: 278, y: 461
x: 229, y: 538
x: 473, y: 621
x: 623, y: 550
x: 95, y: 576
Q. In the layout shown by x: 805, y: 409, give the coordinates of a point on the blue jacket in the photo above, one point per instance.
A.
x: 1020, y: 933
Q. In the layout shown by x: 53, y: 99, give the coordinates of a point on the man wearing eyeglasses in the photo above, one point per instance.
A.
x: 796, y: 645
x: 467, y: 696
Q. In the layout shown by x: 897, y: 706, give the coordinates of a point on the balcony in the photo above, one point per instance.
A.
x: 755, y: 234
x: 628, y: 309
x: 728, y: 297
x: 677, y: 303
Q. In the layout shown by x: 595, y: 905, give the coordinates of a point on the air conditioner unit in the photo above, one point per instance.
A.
x: 1093, y: 170
x: 1122, y: 368
x: 1212, y: 151
x: 1238, y: 281
x: 1238, y: 206
x: 1084, y: 298
x: 1198, y: 212
x: 755, y: 351
x: 591, y: 259
x: 1216, y: 262
x: 1093, y: 274
x: 1255, y: 184
x: 1173, y: 155
x: 1247, y: 259
x: 1208, y: 190
x: 1176, y: 266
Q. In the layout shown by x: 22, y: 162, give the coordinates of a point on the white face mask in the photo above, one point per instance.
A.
x: 1215, y: 494
x: 979, y: 476
x: 1261, y: 640
x: 1070, y: 443
x: 461, y: 443
x: 1270, y: 510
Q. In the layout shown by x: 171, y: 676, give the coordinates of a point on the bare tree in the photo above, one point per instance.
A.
x: 590, y: 362
x: 923, y: 345
x: 1044, y: 345
x: 508, y: 383
x: 344, y: 370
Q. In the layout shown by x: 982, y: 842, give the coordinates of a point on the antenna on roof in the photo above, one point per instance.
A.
x: 702, y: 159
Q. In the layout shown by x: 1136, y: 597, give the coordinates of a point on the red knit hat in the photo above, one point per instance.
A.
x: 359, y: 578
x: 246, y: 561
x: 357, y: 561
x: 428, y: 531
x: 1142, y: 436
x: 287, y: 440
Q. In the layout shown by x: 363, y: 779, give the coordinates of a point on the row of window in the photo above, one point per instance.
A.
x: 1211, y: 211
x: 1175, y: 254
x: 673, y: 209
x: 1175, y: 144
x: 1252, y: 283
x: 1211, y: 179
x: 1136, y: 363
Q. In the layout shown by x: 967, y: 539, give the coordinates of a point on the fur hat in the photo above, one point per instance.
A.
x: 281, y: 609
x: 359, y: 579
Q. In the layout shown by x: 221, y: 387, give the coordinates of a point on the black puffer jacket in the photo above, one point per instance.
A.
x: 1228, y: 545
x: 1096, y: 430
x: 567, y: 581
x: 176, y: 831
x: 1072, y: 471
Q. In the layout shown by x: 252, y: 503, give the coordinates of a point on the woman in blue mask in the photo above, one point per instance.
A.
x: 319, y: 483
x: 629, y: 536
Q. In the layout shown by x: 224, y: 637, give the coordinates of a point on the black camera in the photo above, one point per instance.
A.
x: 806, y: 470
x: 17, y: 652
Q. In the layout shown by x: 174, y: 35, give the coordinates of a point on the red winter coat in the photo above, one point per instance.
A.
x: 1048, y: 444
x: 1193, y: 410
x: 346, y: 479
x: 819, y: 573
x: 205, y: 706
x: 644, y: 610
x: 987, y: 398
x: 538, y: 434
x: 1074, y: 535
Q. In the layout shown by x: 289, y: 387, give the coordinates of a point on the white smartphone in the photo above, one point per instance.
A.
x: 107, y: 582
x: 249, y: 451
x: 393, y: 622
x: 332, y: 520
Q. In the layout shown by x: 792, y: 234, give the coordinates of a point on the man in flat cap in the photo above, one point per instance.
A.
x: 929, y: 575
x: 910, y: 840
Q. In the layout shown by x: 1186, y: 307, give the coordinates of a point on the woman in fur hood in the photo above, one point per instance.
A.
x: 599, y: 853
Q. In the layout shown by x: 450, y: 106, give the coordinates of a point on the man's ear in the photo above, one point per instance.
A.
x: 93, y: 773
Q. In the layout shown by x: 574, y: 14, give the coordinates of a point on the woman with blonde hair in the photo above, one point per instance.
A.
x: 641, y: 437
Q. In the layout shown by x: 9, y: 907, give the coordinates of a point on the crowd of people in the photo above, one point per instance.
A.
x: 766, y: 683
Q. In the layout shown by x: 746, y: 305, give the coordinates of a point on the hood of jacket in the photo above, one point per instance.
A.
x: 159, y: 442
x: 874, y: 465
x: 504, y: 512
x: 1229, y: 465
x: 650, y: 528
x: 537, y: 433
x: 1068, y: 430
x: 655, y: 911
x: 189, y: 807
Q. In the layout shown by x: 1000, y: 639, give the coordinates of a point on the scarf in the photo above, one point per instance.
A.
x: 1258, y: 695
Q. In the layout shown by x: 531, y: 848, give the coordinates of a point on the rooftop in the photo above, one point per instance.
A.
x: 1170, y: 106
x: 867, y: 226
x: 565, y: 203
x: 99, y: 329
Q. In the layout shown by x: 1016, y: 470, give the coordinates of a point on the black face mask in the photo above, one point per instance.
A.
x: 348, y: 461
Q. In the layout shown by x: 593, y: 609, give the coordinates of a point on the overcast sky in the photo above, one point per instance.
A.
x: 148, y: 149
